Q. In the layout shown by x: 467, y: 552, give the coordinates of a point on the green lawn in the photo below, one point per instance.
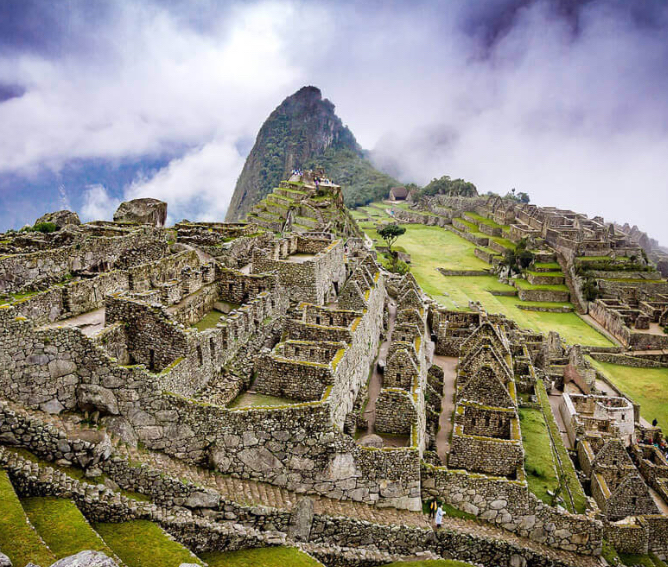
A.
x: 141, y: 543
x: 62, y: 526
x: 432, y: 247
x: 261, y: 557
x: 538, y: 460
x: 646, y: 386
x: 18, y: 540
x: 524, y: 284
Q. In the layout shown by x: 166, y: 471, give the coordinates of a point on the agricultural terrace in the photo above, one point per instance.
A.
x: 645, y: 386
x: 433, y: 247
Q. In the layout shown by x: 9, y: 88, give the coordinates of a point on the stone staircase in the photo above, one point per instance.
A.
x: 251, y: 494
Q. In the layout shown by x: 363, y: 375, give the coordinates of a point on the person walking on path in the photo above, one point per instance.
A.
x: 439, y: 517
x: 432, y: 509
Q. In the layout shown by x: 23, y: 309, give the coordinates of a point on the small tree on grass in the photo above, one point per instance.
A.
x: 389, y: 233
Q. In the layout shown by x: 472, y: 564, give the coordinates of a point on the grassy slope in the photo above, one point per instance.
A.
x: 143, y: 544
x: 539, y: 460
x: 18, y: 540
x: 432, y: 247
x: 261, y: 557
x: 62, y: 526
x: 647, y: 386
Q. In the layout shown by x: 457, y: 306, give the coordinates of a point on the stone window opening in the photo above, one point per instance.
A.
x: 151, y: 359
x: 200, y: 358
x: 212, y: 347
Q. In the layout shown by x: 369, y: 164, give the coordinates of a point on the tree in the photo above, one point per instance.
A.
x: 389, y: 233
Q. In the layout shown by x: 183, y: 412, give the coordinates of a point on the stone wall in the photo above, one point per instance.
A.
x: 395, y: 412
x: 102, y: 253
x: 511, y: 505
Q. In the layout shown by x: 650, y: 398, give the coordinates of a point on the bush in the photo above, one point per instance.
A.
x: 45, y: 227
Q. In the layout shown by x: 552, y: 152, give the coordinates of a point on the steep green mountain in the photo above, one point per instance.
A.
x: 304, y: 131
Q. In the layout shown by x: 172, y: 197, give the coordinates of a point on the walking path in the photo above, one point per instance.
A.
x: 449, y: 366
x: 376, y: 382
x: 555, y: 398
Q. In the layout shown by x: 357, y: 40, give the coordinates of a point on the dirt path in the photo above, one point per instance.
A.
x: 555, y: 400
x: 376, y: 382
x: 449, y: 366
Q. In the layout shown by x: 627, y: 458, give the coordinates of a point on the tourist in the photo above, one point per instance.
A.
x: 432, y: 508
x: 439, y: 517
x: 655, y: 422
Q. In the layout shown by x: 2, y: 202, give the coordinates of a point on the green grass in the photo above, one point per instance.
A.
x: 18, y: 540
x: 539, y: 458
x: 548, y: 265
x: 485, y: 220
x: 547, y: 274
x: 523, y: 284
x: 261, y: 557
x: 450, y: 511
x: 62, y: 526
x: 503, y: 242
x: 141, y: 543
x: 568, y: 475
x: 433, y: 247
x: 646, y: 386
x: 209, y: 320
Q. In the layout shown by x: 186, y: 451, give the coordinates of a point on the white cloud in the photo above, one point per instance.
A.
x: 197, y: 186
x: 98, y: 204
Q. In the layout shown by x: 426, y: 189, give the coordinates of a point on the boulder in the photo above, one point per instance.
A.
x: 301, y: 519
x: 86, y: 559
x: 60, y: 218
x: 91, y: 397
x: 4, y: 560
x: 121, y: 428
x: 142, y: 211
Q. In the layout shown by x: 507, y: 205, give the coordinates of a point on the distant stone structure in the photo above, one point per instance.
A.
x: 142, y: 211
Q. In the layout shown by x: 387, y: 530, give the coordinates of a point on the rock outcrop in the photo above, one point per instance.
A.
x: 142, y: 211
x: 59, y: 218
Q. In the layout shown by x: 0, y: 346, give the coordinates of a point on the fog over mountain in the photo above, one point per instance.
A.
x: 565, y: 100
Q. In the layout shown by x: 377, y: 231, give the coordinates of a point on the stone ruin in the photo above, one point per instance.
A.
x: 248, y: 354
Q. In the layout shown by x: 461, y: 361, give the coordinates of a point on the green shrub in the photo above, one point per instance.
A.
x: 45, y: 227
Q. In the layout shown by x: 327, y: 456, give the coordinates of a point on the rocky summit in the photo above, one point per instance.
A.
x: 435, y: 375
x: 304, y: 131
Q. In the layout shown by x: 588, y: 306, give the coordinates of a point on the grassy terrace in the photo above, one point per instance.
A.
x: 548, y: 265
x: 141, y: 543
x: 538, y: 460
x: 62, y: 526
x: 261, y: 557
x: 523, y: 284
x: 486, y: 221
x: 646, y: 386
x: 432, y: 247
x: 18, y: 540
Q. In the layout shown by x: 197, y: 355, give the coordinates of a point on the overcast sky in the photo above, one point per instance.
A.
x: 106, y: 100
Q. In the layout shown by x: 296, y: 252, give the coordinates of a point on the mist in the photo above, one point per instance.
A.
x: 563, y: 100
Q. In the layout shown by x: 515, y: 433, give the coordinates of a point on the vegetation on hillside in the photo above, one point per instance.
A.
x: 446, y: 186
x: 360, y: 182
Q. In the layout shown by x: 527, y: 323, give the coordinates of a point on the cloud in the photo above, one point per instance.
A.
x: 98, y: 204
x: 565, y: 100
x: 198, y: 185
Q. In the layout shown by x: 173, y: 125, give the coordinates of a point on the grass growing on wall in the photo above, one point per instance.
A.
x: 62, y: 526
x: 141, y: 543
x: 261, y: 557
x: 539, y: 458
x: 434, y: 563
x: 646, y: 386
x: 18, y: 540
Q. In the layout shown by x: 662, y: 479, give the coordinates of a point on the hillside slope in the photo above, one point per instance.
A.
x: 301, y: 132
